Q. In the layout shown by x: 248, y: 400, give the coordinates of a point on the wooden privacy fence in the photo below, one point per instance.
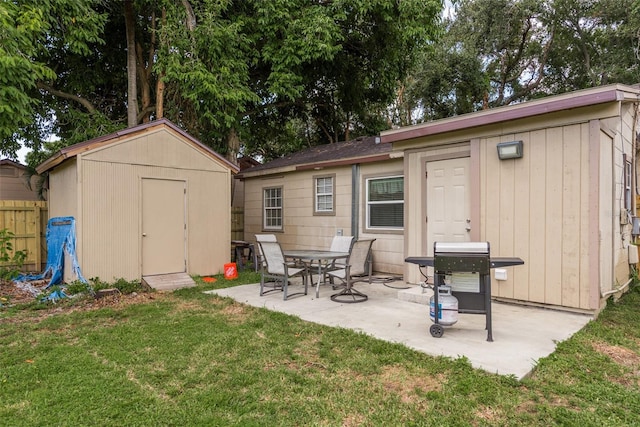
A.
x: 27, y: 220
x: 237, y: 223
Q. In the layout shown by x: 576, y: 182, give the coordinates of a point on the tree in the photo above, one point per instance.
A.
x: 237, y: 75
x: 498, y: 52
x: 31, y: 34
x: 596, y: 43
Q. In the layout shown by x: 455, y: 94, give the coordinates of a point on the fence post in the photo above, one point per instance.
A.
x: 37, y: 212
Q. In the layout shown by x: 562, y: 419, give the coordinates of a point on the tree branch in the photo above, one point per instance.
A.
x: 80, y: 100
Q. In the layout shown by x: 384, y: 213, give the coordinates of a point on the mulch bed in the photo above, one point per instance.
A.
x: 12, y: 293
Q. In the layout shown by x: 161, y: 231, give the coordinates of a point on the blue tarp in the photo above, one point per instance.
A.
x: 61, y: 238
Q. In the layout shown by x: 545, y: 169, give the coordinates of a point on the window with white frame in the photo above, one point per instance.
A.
x: 324, y: 195
x: 272, y: 208
x: 385, y: 202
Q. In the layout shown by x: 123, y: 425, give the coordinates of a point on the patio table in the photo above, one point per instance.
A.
x: 323, y: 257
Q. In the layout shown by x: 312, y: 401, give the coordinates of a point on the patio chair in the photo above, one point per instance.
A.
x: 357, y: 269
x: 259, y: 259
x: 338, y: 244
x: 276, y: 268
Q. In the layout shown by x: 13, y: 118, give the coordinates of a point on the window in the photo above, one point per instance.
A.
x: 385, y: 202
x: 628, y: 175
x: 324, y: 195
x: 272, y: 208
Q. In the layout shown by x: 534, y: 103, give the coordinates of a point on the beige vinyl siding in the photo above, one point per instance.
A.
x: 532, y: 208
x: 13, y: 185
x: 156, y: 147
x: 63, y: 191
x: 101, y: 188
x: 388, y: 256
x: 606, y: 218
x: 303, y: 230
x: 558, y: 207
x: 112, y: 218
x: 621, y: 127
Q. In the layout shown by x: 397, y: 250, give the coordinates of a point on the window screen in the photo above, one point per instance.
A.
x: 385, y: 202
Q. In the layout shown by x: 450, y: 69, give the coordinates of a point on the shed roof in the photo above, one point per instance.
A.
x: 360, y: 150
x: 551, y: 104
x: 82, y: 147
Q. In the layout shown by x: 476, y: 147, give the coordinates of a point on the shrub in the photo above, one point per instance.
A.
x: 11, y: 261
x: 123, y: 285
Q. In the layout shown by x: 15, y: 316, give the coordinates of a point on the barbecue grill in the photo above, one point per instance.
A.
x: 468, y: 266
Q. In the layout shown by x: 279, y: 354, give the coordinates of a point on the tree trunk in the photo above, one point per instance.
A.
x: 233, y: 142
x: 160, y: 81
x: 132, y: 89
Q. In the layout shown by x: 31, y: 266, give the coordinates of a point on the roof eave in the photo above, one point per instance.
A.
x: 615, y: 93
x: 314, y: 166
x: 343, y: 162
x: 79, y: 148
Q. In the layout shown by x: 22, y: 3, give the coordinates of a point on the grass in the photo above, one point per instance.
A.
x: 188, y: 358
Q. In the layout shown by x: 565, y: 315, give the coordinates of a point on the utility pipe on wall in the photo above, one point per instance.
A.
x: 355, y: 193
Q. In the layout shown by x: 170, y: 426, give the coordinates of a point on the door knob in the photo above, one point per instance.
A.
x: 144, y: 234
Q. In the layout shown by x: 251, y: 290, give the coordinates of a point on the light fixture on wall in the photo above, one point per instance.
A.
x: 510, y: 150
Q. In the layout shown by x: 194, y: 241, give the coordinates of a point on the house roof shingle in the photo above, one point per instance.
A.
x: 360, y: 150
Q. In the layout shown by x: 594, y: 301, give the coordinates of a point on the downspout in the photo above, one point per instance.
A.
x: 355, y: 196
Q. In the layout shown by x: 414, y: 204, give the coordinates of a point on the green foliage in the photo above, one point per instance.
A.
x: 280, y: 75
x: 123, y: 285
x: 498, y: 52
x: 32, y: 33
x: 11, y: 261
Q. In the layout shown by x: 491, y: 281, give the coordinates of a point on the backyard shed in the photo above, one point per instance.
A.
x: 148, y: 201
x: 552, y: 181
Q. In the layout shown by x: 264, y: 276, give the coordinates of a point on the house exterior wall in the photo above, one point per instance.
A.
x: 388, y: 248
x: 558, y: 207
x: 13, y: 185
x: 304, y: 230
x: 108, y: 194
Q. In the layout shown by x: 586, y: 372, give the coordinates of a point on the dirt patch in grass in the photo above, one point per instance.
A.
x: 235, y: 312
x: 487, y: 413
x: 623, y: 357
x: 409, y: 386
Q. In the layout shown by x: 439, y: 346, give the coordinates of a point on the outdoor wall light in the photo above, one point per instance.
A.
x: 510, y: 150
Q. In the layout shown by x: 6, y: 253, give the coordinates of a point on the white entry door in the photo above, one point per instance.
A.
x: 163, y: 227
x: 448, y: 200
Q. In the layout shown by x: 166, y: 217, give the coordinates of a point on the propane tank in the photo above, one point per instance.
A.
x: 447, y: 306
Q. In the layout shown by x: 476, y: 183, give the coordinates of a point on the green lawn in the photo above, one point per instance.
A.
x: 193, y: 359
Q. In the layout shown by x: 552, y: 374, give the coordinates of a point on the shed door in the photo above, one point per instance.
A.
x: 163, y: 227
x: 448, y: 200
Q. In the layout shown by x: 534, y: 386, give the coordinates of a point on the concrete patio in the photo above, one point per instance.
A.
x: 399, y: 312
